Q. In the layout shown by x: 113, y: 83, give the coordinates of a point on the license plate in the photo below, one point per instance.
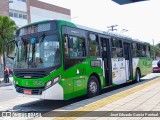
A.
x: 29, y: 92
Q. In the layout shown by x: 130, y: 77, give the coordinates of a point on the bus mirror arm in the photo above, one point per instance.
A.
x: 8, y: 46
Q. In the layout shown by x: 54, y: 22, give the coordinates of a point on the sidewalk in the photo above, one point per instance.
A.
x: 142, y: 97
x: 6, y: 84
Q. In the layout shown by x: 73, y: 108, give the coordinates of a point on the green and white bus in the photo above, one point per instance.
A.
x: 59, y: 60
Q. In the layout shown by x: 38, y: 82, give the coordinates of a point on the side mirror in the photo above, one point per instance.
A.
x: 8, y: 46
x: 70, y: 43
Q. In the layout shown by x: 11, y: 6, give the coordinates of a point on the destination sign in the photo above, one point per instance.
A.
x: 35, y: 28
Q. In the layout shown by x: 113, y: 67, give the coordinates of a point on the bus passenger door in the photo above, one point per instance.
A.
x: 106, y: 60
x: 128, y: 60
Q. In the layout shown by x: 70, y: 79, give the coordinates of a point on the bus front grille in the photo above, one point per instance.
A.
x: 31, y: 74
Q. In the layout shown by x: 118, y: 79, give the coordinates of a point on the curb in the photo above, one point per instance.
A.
x: 5, y: 84
x: 2, y: 84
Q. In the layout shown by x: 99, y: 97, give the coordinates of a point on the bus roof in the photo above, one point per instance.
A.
x: 112, y: 34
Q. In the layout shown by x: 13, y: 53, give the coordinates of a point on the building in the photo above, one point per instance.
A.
x: 27, y: 11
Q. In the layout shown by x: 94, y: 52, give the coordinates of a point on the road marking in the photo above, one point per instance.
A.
x: 103, y: 102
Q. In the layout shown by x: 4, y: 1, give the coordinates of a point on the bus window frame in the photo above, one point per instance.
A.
x: 149, y: 50
x: 99, y: 46
x: 73, y: 58
x: 140, y: 49
x: 119, y: 39
x: 142, y: 44
x: 68, y: 45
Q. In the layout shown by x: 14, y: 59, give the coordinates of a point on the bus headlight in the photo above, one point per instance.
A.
x: 15, y: 82
x: 52, y: 82
x: 49, y: 83
x: 56, y: 79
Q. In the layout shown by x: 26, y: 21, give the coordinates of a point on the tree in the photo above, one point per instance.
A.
x: 7, y: 30
x: 157, y: 51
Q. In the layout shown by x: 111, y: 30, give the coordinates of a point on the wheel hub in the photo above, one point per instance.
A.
x: 93, y: 87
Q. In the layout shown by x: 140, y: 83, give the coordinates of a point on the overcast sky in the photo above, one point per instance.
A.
x: 142, y: 20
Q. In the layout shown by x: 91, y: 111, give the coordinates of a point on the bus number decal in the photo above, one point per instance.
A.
x: 96, y: 63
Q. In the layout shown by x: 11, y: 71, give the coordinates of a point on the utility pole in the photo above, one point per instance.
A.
x: 112, y: 28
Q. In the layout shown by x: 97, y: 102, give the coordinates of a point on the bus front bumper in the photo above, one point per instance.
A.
x: 55, y: 92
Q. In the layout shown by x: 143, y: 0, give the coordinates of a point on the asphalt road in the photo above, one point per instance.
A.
x: 7, y: 93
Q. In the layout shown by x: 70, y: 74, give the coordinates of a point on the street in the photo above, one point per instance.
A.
x: 10, y: 101
x: 7, y: 93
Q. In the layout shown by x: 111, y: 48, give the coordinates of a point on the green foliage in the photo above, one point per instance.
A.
x: 156, y: 49
x: 7, y: 30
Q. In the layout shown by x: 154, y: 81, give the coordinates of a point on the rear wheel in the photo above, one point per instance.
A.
x: 93, y: 87
x: 138, y: 75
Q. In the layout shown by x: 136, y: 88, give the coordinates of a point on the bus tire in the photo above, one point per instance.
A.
x: 93, y: 87
x: 138, y: 75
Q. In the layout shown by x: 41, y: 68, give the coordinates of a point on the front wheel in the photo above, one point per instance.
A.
x: 138, y: 75
x: 93, y: 87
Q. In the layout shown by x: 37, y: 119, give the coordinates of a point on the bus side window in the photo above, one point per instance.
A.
x: 74, y: 50
x: 114, y: 53
x: 77, y: 48
x: 140, y: 50
x: 147, y: 51
x: 134, y: 49
x: 74, y: 46
x: 117, y: 50
x: 144, y: 51
x: 94, y: 47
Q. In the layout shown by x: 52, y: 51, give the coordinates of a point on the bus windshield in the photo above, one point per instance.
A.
x: 34, y: 52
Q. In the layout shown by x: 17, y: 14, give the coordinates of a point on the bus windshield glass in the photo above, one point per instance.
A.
x: 37, y: 52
